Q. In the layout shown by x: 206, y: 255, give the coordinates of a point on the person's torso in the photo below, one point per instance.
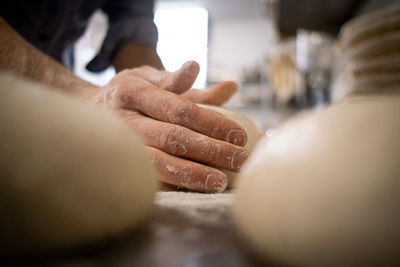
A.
x: 51, y: 25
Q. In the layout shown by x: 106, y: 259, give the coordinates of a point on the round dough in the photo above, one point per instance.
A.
x: 325, y: 190
x: 70, y: 173
x: 253, y: 133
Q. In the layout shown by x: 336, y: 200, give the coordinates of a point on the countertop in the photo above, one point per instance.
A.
x: 186, y: 229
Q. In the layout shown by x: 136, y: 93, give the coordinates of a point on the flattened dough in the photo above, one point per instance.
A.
x: 70, y: 173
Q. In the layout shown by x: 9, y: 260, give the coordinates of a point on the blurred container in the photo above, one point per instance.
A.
x: 314, y: 59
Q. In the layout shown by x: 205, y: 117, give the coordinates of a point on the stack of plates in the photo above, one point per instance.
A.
x: 371, y: 43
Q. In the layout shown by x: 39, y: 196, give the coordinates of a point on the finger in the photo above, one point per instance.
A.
x: 177, y: 82
x: 188, y: 174
x: 169, y: 187
x: 217, y: 95
x: 169, y: 107
x: 183, y: 79
x: 179, y: 141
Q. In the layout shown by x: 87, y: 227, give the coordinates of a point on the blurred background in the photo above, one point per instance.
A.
x: 283, y: 54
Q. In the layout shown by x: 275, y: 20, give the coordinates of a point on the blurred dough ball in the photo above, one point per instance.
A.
x: 325, y: 190
x: 254, y: 133
x: 70, y: 173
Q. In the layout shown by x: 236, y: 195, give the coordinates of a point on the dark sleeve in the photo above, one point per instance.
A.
x: 130, y: 21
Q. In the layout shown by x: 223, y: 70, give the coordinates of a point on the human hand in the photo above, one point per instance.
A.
x: 216, y: 95
x: 180, y: 82
x: 134, y: 55
x: 186, y: 142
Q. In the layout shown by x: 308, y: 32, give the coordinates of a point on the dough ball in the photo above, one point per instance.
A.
x: 325, y: 190
x: 254, y: 133
x: 70, y: 173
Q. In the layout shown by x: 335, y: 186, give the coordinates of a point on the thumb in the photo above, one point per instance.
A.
x: 182, y: 80
x: 176, y: 82
x: 217, y: 95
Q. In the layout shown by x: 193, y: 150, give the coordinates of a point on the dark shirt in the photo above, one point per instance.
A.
x: 53, y: 26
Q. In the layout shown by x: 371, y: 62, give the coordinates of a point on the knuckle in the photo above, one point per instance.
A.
x: 172, y: 140
x: 215, y: 152
x: 208, y: 149
x: 122, y: 94
x: 124, y: 73
x: 179, y: 113
x: 140, y: 71
x: 145, y: 68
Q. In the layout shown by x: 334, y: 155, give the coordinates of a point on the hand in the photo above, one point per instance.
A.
x: 217, y: 95
x: 131, y: 56
x: 186, y: 142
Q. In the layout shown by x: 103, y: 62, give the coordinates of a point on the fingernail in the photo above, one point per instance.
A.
x: 238, y: 159
x: 216, y: 183
x: 236, y: 137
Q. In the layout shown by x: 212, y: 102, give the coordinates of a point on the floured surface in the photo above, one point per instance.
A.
x: 186, y: 229
x: 199, y: 207
x: 194, y: 229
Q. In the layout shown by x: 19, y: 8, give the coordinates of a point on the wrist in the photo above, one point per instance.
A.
x: 87, y: 92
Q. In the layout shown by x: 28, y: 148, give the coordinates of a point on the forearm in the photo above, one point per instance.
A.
x: 20, y: 57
